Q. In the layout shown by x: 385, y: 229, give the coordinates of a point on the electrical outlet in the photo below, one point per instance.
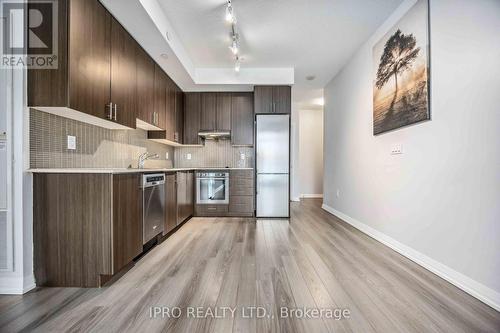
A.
x: 71, y: 142
x: 396, y: 149
x: 166, y: 155
x: 242, y: 156
x: 188, y: 156
x: 338, y: 193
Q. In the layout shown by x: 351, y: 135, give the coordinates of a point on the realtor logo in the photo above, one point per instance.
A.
x: 29, y: 34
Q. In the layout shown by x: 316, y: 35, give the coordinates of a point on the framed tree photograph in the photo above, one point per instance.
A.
x: 401, y: 83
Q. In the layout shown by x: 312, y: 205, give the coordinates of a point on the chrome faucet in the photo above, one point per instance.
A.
x: 145, y: 156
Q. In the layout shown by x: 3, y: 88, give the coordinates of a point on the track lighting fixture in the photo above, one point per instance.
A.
x: 234, y: 46
x: 237, y: 65
x: 229, y: 13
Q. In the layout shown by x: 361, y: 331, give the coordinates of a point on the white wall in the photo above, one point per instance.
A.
x: 439, y: 202
x: 311, y: 153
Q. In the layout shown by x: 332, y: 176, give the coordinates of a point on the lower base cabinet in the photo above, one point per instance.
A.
x: 179, y: 193
x: 87, y: 227
x: 171, y: 204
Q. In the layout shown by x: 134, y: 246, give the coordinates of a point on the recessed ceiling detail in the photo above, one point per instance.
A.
x: 286, y: 40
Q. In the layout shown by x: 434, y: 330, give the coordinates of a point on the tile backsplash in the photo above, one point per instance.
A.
x: 96, y: 147
x: 214, y: 154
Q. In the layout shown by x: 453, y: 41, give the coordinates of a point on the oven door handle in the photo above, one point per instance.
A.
x: 212, y: 178
x: 218, y: 189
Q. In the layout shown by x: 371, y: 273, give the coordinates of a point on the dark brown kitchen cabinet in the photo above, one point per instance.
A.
x: 190, y: 193
x: 170, y: 123
x: 86, y: 228
x: 179, y: 115
x: 171, y: 204
x: 208, y: 112
x: 96, y: 72
x: 123, y: 75
x: 272, y: 99
x: 242, y: 119
x: 84, y: 60
x: 192, y: 113
x: 160, y: 98
x: 185, y: 195
x: 127, y: 219
x: 145, y: 87
x: 223, y: 112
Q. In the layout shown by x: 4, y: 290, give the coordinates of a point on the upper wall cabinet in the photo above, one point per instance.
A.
x: 242, y: 119
x: 170, y: 124
x: 179, y: 115
x: 123, y: 75
x: 272, y: 99
x: 145, y: 88
x: 192, y: 112
x: 160, y: 98
x: 223, y: 112
x: 86, y: 56
x: 208, y: 111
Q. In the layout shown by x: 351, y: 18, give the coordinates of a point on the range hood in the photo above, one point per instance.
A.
x: 215, y: 135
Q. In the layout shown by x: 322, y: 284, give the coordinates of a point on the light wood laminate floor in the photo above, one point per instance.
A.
x: 315, y: 261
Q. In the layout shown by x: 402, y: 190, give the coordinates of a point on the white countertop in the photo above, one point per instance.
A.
x: 123, y: 170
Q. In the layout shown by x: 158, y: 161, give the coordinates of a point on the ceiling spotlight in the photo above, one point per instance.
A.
x: 237, y: 65
x: 164, y: 55
x: 310, y: 77
x: 229, y: 12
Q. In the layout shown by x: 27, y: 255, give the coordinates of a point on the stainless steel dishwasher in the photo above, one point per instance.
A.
x: 153, y: 199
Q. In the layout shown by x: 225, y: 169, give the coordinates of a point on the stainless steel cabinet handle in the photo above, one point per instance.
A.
x: 115, y: 112
x: 274, y: 107
x: 110, y: 112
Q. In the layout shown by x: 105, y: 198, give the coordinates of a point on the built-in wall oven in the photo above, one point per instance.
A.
x: 153, y: 196
x: 212, y: 188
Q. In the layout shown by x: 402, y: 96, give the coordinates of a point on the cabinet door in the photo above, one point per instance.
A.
x: 208, y: 111
x: 181, y: 196
x: 242, y: 119
x: 170, y: 111
x: 123, y: 75
x: 179, y: 115
x: 89, y: 66
x: 263, y: 97
x: 145, y: 86
x: 127, y: 219
x: 190, y: 194
x: 171, y: 204
x: 282, y: 99
x: 160, y: 99
x: 192, y: 110
x: 224, y: 111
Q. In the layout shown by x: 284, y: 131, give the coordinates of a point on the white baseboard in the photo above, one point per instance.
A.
x: 16, y: 285
x: 295, y: 199
x: 470, y: 286
x: 306, y: 196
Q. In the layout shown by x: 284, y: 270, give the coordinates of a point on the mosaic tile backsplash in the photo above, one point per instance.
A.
x: 214, y: 154
x: 96, y: 147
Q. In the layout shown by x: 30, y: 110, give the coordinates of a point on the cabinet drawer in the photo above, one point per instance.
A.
x: 241, y: 186
x: 241, y: 204
x: 211, y: 210
x: 241, y: 174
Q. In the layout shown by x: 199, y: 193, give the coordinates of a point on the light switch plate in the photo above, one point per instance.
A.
x: 396, y: 149
x: 71, y: 142
x: 188, y: 156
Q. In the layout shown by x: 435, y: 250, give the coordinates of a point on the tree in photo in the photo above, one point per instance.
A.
x: 399, y: 54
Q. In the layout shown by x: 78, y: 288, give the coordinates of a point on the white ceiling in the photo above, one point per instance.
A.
x: 314, y: 37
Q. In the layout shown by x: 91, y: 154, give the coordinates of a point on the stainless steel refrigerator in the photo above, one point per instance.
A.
x: 273, y: 165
